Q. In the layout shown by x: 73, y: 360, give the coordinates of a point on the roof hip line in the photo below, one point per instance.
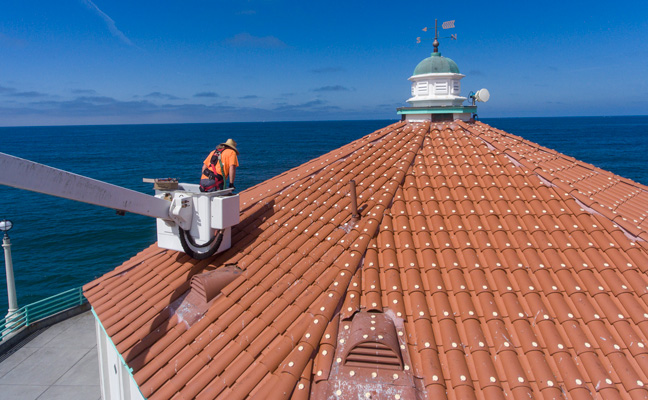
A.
x: 568, y: 188
x: 355, y: 250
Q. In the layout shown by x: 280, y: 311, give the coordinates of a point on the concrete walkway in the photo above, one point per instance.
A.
x: 58, y: 362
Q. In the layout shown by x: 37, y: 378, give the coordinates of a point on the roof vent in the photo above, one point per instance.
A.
x: 373, y: 355
x: 209, y: 284
x: 370, y: 361
x: 373, y: 343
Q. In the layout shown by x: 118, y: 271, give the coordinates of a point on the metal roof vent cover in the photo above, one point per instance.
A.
x: 373, y: 361
x: 373, y: 343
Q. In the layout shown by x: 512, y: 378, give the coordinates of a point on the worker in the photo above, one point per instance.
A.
x: 219, y: 166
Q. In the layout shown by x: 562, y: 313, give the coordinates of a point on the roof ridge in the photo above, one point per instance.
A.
x: 357, y: 247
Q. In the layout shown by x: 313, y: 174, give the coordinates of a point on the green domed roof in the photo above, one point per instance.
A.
x: 436, y: 64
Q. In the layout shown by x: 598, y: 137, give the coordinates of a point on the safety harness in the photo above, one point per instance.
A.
x: 210, y: 171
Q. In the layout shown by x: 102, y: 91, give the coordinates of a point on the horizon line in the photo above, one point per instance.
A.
x: 298, y: 121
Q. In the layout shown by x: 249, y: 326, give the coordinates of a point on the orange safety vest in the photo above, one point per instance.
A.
x: 210, y: 171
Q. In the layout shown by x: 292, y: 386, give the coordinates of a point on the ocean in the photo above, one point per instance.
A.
x: 59, y: 244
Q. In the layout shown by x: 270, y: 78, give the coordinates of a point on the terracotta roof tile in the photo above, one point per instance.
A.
x: 502, y: 268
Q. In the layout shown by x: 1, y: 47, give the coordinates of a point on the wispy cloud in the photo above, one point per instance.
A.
x: 246, y: 40
x: 30, y: 94
x: 4, y: 89
x: 110, y: 24
x: 327, y: 70
x: 102, y: 109
x: 84, y: 91
x: 12, y: 92
x: 247, y: 12
x: 249, y: 97
x: 99, y: 109
x: 390, y: 106
x: 158, y: 95
x: 93, y: 100
x: 312, y: 105
x: 334, y: 88
x: 206, y: 94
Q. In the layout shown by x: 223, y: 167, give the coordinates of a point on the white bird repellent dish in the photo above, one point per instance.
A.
x: 482, y: 95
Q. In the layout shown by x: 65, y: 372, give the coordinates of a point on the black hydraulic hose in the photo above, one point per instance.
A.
x: 193, y: 243
x: 186, y: 237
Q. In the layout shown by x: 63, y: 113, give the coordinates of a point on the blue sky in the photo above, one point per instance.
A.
x: 110, y: 62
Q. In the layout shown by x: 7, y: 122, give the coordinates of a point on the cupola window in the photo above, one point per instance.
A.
x: 422, y: 88
x: 456, y: 87
x: 441, y: 88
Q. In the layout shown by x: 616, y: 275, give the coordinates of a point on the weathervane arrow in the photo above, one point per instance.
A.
x: 448, y: 24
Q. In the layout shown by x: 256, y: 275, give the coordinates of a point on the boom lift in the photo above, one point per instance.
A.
x: 188, y: 220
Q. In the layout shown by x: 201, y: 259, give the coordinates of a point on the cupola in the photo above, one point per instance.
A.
x: 436, y: 91
x: 436, y: 83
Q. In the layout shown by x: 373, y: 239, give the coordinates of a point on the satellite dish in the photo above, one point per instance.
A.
x: 482, y: 95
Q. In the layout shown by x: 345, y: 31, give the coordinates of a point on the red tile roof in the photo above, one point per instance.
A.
x: 483, y: 266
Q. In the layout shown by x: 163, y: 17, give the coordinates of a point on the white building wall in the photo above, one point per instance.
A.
x: 103, y: 370
x: 117, y: 383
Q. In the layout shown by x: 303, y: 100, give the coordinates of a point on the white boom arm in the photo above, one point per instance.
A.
x: 24, y: 174
x: 188, y: 220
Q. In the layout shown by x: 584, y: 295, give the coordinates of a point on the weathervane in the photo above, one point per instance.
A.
x: 445, y: 25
